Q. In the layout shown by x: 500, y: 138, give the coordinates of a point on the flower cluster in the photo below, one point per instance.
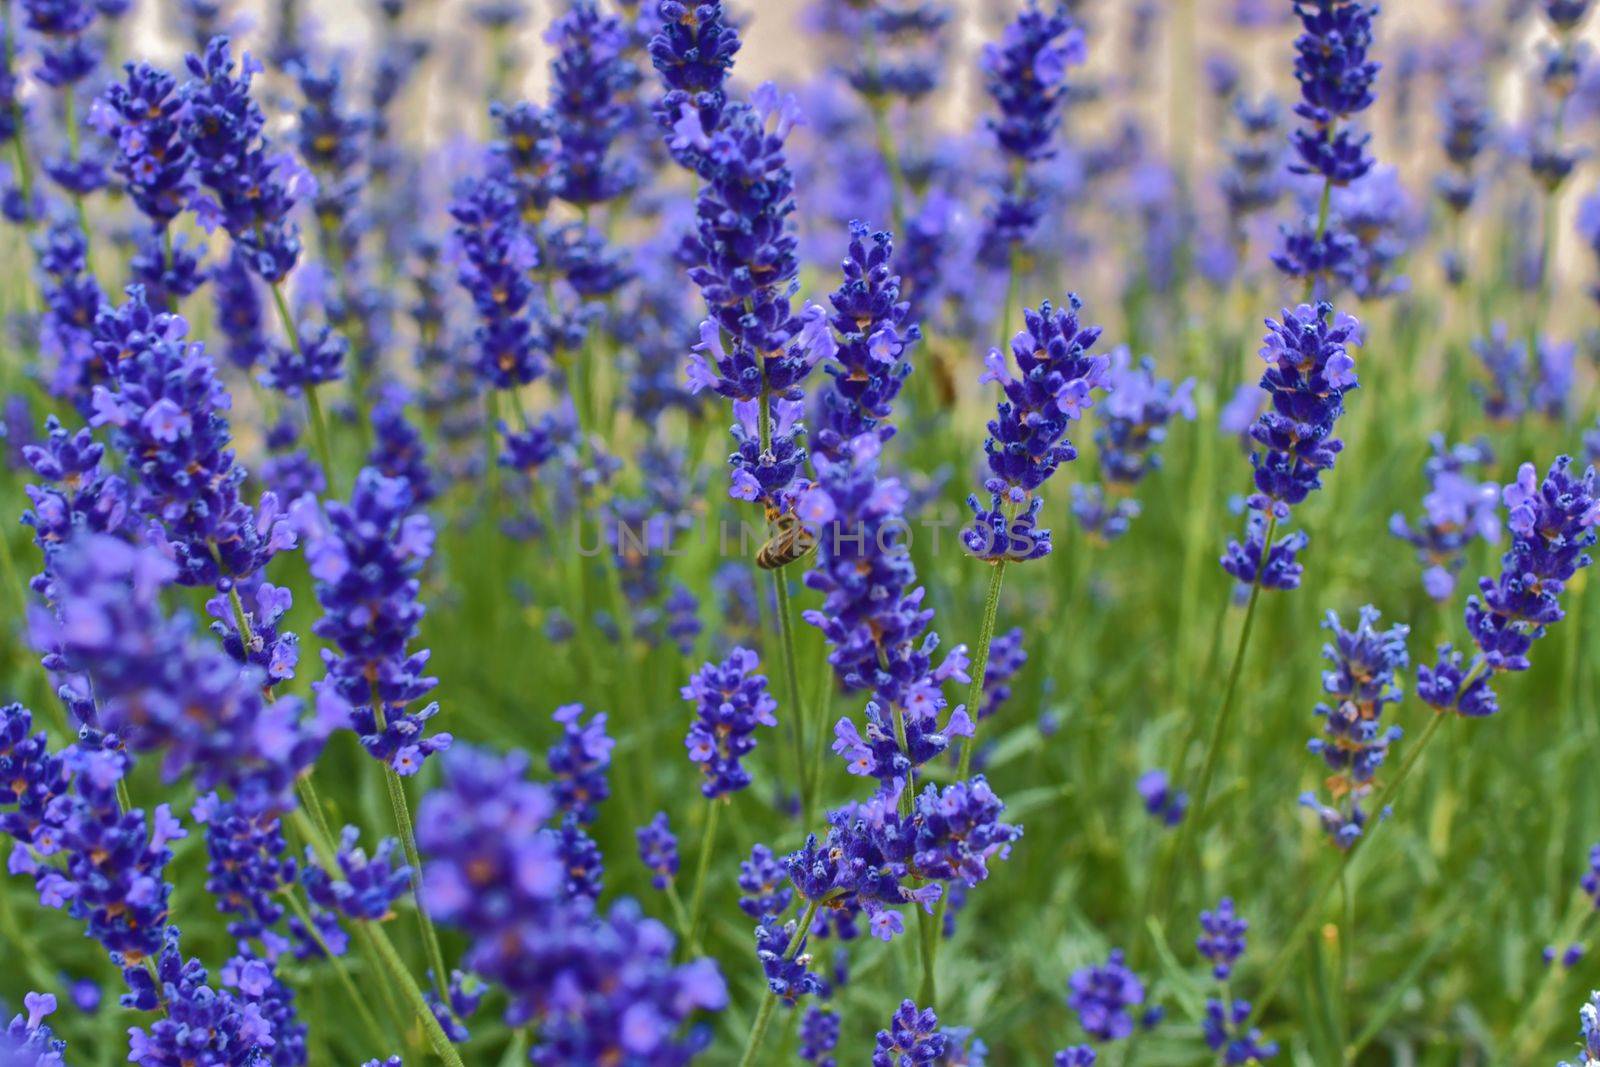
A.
x: 1056, y: 382
x: 1336, y: 80
x: 761, y: 883
x: 1136, y: 414
x: 874, y: 331
x: 72, y: 300
x: 1225, y: 1025
x: 1309, y: 371
x: 913, y: 1037
x: 590, y: 79
x: 166, y: 407
x: 658, y: 850
x: 1102, y: 995
x: 580, y: 762
x: 152, y: 159
x: 730, y: 700
x: 1457, y: 510
x: 365, y: 557
x: 602, y: 987
x: 1589, y: 1019
x: 366, y: 886
x: 877, y: 858
x: 1362, y: 681
x: 693, y: 52
x: 253, y: 189
x: 159, y: 690
x: 1552, y: 524
x: 1025, y: 74
x: 1160, y: 799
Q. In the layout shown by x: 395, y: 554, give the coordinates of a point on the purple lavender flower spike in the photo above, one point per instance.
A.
x: 730, y: 701
x: 819, y: 1036
x: 1222, y: 938
x: 1025, y: 74
x: 581, y: 859
x: 1102, y: 996
x: 603, y: 986
x: 693, y: 52
x: 761, y: 885
x: 1056, y: 382
x: 365, y: 887
x: 913, y: 1037
x: 1160, y: 799
x: 167, y: 410
x: 658, y: 850
x: 874, y: 331
x: 1366, y: 662
x: 252, y: 189
x: 158, y: 690
x: 365, y: 557
x: 590, y: 77
x: 789, y: 977
x: 580, y: 762
x: 1457, y: 510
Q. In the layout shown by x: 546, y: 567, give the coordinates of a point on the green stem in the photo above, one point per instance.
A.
x: 791, y: 677
x: 340, y: 970
x: 758, y: 1032
x: 708, y: 841
x: 980, y: 664
x: 319, y: 425
x: 1278, y: 970
x: 1213, y: 751
x: 323, y: 847
x: 408, y: 841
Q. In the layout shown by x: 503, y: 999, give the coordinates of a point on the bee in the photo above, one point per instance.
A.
x: 790, y: 541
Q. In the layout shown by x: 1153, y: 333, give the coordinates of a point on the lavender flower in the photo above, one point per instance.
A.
x: 693, y: 52
x: 819, y: 1036
x: 658, y: 850
x: 1336, y: 79
x: 365, y: 887
x: 730, y: 701
x: 1102, y: 995
x: 1076, y: 1056
x: 166, y: 407
x: 580, y: 858
x: 160, y: 691
x: 874, y: 331
x: 1006, y: 657
x: 252, y: 190
x: 1027, y: 440
x: 1222, y: 938
x: 601, y: 986
x: 1025, y: 75
x: 72, y: 300
x: 365, y: 557
x: 913, y: 1037
x: 580, y: 762
x: 788, y: 975
x: 590, y: 78
x: 1137, y: 412
x: 152, y: 159
x: 199, y: 1021
x: 1160, y: 799
x: 761, y: 884
x: 1365, y: 662
x: 1309, y: 369
x: 1552, y: 524
x: 1457, y: 510
x: 1225, y: 1033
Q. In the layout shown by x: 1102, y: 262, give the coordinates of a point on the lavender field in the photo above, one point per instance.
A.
x: 628, y: 533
